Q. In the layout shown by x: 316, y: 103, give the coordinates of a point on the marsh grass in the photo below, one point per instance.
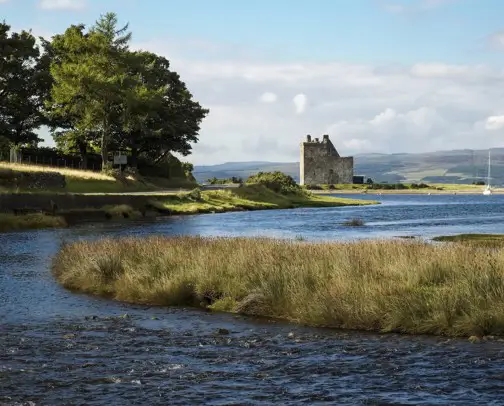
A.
x: 10, y: 222
x: 387, y: 286
x: 356, y: 222
x: 481, y: 240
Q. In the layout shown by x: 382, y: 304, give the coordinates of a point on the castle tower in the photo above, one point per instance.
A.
x: 320, y: 163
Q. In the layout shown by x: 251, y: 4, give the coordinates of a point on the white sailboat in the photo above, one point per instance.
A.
x: 488, y: 189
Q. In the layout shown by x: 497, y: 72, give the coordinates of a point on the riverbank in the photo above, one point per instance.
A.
x: 386, y: 286
x: 58, y: 210
x: 247, y: 197
x: 486, y: 240
x: 433, y: 189
x: 10, y: 222
x: 406, y: 192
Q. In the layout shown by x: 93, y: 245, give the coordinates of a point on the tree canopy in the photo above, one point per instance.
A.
x: 95, y: 94
x: 24, y: 85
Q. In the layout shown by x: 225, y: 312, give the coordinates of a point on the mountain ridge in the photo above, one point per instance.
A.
x: 451, y: 166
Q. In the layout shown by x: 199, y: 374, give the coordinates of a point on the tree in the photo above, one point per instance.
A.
x: 162, y: 116
x: 24, y: 84
x: 90, y: 78
x: 105, y: 96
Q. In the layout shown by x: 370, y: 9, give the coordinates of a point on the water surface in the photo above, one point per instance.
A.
x: 57, y: 347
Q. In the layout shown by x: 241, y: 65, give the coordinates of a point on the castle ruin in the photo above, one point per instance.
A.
x: 322, y: 165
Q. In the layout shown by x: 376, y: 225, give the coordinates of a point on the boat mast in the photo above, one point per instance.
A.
x: 489, y: 168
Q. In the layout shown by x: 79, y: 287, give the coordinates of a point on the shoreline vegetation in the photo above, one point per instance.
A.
x: 246, y: 197
x: 382, y: 286
x: 401, y: 188
x: 482, y: 240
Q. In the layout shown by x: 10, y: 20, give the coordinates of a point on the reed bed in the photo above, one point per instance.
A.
x: 386, y: 286
x: 10, y: 222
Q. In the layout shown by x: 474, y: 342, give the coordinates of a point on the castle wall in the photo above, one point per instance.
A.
x: 321, y: 164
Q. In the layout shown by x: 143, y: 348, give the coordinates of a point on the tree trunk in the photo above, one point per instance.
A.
x: 104, y: 151
x: 104, y: 144
x: 159, y: 158
x: 83, y: 154
x: 134, y: 157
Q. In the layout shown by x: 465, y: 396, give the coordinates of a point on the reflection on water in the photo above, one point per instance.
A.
x: 57, y: 347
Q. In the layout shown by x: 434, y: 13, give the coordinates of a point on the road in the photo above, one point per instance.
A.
x: 164, y: 191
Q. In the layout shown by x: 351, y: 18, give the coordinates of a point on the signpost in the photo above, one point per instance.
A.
x: 120, y: 160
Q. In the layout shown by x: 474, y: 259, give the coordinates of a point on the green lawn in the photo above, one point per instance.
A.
x: 80, y: 181
x: 250, y: 197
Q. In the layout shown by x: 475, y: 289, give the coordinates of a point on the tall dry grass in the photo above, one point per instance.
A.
x: 72, y: 173
x: 400, y: 286
x: 10, y: 222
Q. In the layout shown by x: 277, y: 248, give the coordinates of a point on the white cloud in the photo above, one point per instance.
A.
x: 496, y: 40
x: 364, y: 108
x: 62, y: 4
x: 494, y: 123
x: 268, y: 97
x: 300, y: 103
x: 416, y: 6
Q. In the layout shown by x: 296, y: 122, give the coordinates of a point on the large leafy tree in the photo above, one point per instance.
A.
x: 161, y: 117
x: 24, y: 84
x: 90, y: 77
x: 105, y: 96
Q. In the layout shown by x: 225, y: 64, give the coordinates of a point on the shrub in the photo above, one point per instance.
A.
x: 232, y: 180
x: 194, y: 194
x: 277, y: 181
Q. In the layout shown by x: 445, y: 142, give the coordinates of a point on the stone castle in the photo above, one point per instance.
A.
x: 322, y: 165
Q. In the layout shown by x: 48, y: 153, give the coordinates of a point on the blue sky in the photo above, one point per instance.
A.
x: 369, y: 31
x: 381, y: 76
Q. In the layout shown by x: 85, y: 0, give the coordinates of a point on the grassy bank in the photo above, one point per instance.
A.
x: 10, y: 222
x: 79, y: 207
x: 81, y: 181
x: 486, y: 240
x: 389, y: 286
x: 249, y: 197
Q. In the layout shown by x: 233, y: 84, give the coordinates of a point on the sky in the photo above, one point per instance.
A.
x: 378, y: 76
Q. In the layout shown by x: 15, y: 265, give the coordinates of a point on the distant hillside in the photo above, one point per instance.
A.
x: 459, y: 166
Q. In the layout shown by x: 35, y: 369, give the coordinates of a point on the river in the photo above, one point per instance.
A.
x: 57, y: 347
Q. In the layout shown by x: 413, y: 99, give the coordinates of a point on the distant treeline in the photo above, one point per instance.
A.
x: 232, y: 180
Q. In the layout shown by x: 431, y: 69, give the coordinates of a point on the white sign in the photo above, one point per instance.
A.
x: 120, y: 159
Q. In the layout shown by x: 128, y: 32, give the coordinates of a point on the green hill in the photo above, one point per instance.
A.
x: 458, y: 166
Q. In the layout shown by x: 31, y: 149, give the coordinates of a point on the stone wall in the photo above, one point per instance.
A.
x: 320, y: 163
x: 32, y: 180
